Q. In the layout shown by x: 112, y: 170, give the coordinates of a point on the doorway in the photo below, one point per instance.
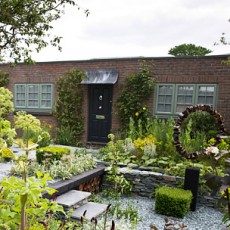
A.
x: 100, y: 109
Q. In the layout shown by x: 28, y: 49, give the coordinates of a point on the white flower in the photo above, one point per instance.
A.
x: 212, y: 150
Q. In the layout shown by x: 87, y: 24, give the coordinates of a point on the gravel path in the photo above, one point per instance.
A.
x: 204, y: 218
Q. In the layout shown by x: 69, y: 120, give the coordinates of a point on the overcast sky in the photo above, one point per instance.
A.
x: 133, y: 28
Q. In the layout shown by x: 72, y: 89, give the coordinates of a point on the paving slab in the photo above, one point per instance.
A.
x: 92, y: 210
x: 73, y: 197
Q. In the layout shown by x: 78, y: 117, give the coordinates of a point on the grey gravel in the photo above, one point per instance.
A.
x: 204, y: 218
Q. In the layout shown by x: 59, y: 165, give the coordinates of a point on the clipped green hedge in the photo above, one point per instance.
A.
x: 172, y: 201
x: 51, y: 153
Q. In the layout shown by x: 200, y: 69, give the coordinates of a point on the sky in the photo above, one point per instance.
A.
x: 138, y: 28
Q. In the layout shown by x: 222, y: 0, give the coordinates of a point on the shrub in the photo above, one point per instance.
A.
x: 51, y: 153
x: 7, y: 154
x: 172, y: 201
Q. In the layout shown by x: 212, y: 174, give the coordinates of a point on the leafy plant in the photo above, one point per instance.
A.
x: 6, y: 103
x: 129, y: 212
x: 133, y: 97
x: 69, y: 105
x: 4, y: 79
x: 51, y: 153
x: 27, y: 123
x: 226, y: 218
x: 22, y: 205
x: 7, y: 134
x: 65, y: 136
x: 63, y: 169
x: 7, y: 154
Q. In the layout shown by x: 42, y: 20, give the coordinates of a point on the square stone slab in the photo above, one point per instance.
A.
x: 93, y: 210
x: 72, y: 197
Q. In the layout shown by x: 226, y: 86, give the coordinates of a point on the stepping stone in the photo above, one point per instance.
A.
x: 73, y: 199
x: 93, y: 210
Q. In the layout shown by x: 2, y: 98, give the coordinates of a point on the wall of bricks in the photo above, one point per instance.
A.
x: 208, y: 69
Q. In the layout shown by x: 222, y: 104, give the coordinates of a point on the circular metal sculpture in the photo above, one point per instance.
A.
x: 185, y: 114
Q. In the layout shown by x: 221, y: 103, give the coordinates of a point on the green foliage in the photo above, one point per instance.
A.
x: 65, y: 136
x: 63, y: 169
x: 7, y: 134
x: 193, y: 140
x: 136, y: 92
x: 26, y: 24
x: 4, y: 79
x: 172, y: 201
x: 162, y: 130
x: 7, y: 154
x: 41, y: 137
x: 69, y: 106
x: 28, y: 123
x: 226, y: 218
x: 6, y: 103
x: 19, y: 193
x: 51, y: 153
x: 200, y: 122
x: 128, y: 213
x: 146, y: 146
x: 189, y: 50
x: 120, y: 184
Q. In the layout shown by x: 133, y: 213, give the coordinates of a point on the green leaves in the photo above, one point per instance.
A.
x: 189, y: 50
x: 26, y: 24
x: 136, y: 92
x: 69, y: 107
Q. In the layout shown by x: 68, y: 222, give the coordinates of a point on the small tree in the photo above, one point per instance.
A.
x: 26, y: 24
x: 189, y: 50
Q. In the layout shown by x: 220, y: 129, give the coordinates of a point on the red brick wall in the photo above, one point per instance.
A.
x: 208, y: 69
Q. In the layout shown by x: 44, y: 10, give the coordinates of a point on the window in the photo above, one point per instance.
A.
x: 33, y: 97
x: 174, y: 98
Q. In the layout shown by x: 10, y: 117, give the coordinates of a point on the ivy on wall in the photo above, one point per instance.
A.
x: 137, y: 90
x: 69, y: 104
x: 4, y: 79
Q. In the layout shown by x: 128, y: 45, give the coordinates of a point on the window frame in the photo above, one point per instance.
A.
x: 32, y: 108
x: 175, y: 88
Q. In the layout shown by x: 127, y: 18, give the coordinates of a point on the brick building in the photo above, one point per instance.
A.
x: 181, y: 81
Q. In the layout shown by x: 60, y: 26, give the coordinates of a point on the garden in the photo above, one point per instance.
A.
x: 164, y: 148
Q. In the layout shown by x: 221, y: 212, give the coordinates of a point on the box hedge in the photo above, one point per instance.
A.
x: 172, y: 201
x: 51, y: 153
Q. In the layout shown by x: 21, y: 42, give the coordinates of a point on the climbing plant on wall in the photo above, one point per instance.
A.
x: 4, y: 79
x: 138, y: 88
x: 69, y: 105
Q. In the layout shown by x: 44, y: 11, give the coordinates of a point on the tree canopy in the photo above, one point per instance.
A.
x: 25, y: 26
x: 189, y: 50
